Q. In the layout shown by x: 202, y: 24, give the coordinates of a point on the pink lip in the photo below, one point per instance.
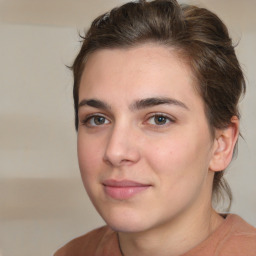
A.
x: 123, y: 189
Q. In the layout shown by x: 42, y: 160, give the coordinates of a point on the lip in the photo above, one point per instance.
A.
x: 123, y: 189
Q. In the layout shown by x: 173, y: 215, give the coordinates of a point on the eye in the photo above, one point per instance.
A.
x: 95, y: 120
x: 159, y: 119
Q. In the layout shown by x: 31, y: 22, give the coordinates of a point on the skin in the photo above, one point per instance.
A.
x: 166, y: 145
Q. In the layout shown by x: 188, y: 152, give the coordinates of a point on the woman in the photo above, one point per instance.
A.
x: 156, y: 89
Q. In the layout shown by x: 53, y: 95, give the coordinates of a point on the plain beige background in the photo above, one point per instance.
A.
x: 42, y: 201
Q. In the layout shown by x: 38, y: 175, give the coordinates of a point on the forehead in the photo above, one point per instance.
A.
x: 137, y: 71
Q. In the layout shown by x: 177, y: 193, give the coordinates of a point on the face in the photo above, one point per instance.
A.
x: 144, y: 145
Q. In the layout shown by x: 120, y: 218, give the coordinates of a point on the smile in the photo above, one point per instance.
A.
x: 124, y: 189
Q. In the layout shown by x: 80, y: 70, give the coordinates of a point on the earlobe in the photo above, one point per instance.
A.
x: 224, y: 144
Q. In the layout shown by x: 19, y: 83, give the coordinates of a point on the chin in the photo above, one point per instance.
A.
x: 127, y: 227
x: 126, y: 221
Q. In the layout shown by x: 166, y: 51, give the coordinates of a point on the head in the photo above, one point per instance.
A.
x: 197, y: 36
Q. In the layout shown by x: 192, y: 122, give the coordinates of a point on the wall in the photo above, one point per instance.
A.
x: 41, y: 195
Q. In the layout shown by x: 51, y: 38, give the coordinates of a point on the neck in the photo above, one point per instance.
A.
x: 173, y: 238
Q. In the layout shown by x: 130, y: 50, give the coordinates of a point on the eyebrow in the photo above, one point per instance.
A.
x: 155, y: 101
x: 137, y: 105
x: 94, y: 103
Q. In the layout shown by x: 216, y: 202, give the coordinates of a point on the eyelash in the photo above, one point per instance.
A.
x: 168, y: 120
x: 89, y: 118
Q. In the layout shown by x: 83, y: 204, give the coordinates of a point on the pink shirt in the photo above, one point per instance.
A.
x: 234, y: 237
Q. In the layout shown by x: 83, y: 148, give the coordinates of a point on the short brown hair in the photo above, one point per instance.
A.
x: 197, y: 34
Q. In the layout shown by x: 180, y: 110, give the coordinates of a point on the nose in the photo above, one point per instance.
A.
x: 122, y: 147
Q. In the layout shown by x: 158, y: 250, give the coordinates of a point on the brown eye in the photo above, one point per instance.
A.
x: 99, y: 120
x: 93, y: 121
x: 159, y: 119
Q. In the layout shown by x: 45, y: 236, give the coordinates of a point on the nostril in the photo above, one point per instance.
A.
x: 105, y: 159
x: 122, y: 148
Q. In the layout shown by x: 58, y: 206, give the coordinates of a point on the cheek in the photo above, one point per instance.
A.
x: 181, y: 171
x: 171, y: 153
x: 180, y: 159
x: 89, y: 156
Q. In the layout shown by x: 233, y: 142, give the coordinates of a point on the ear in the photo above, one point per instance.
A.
x: 224, y: 143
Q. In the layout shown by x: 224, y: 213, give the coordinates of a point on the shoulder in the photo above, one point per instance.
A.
x: 234, y: 237
x: 240, y: 238
x: 101, y: 241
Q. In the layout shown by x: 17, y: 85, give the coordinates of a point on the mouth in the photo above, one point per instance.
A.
x: 123, y: 189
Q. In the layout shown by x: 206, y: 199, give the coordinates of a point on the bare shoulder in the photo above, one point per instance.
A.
x: 86, y: 244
